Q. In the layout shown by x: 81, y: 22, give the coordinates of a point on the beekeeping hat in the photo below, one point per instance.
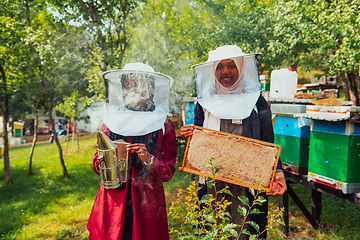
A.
x: 236, y: 101
x: 227, y: 52
x: 137, y: 99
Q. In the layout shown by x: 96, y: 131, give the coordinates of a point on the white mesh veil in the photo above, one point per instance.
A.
x: 228, y: 106
x: 137, y: 99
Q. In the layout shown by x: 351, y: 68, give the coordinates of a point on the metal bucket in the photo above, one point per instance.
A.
x: 114, y: 162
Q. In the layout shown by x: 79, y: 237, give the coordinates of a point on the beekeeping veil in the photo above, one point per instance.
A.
x: 236, y: 101
x: 137, y: 99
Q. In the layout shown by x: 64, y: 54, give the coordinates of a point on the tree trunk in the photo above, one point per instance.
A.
x: 295, y: 65
x: 5, y: 112
x: 11, y: 125
x: 77, y: 133
x: 72, y: 137
x: 345, y: 88
x: 8, y: 176
x: 51, y: 120
x: 34, y: 142
x: 67, y: 136
x: 353, y: 89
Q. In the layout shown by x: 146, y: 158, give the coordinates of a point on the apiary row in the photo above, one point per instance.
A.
x: 322, y: 142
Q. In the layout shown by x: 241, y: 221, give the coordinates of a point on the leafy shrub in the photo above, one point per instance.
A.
x: 208, y: 218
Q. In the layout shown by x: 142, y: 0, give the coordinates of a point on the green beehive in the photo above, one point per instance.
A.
x: 334, y: 149
x: 18, y: 129
x: 334, y: 155
x: 18, y: 132
x: 294, y: 150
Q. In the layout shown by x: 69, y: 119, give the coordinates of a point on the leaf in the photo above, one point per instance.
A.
x: 253, y: 237
x: 227, y: 191
x: 242, y: 211
x: 229, y: 226
x: 255, y: 211
x: 280, y: 221
x: 190, y: 217
x: 245, y: 231
x: 252, y: 191
x: 233, y: 233
x: 210, y: 218
x: 244, y: 200
x: 254, y: 225
x: 260, y: 200
x: 186, y: 235
x: 205, y: 198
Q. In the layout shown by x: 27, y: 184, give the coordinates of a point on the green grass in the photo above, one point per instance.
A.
x: 339, y: 219
x: 49, y: 206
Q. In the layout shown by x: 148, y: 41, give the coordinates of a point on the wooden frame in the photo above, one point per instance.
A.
x: 188, y: 168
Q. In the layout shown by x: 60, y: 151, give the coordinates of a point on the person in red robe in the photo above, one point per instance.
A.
x: 136, y: 210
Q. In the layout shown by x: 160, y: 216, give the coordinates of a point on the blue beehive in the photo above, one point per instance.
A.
x: 292, y: 126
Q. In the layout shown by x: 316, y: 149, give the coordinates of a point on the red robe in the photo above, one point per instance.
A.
x: 149, y: 208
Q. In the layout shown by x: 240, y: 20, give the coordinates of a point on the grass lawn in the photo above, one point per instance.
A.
x: 49, y: 206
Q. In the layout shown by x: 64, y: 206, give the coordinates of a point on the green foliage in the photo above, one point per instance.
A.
x: 11, y: 33
x: 48, y: 64
x: 208, y: 218
x: 314, y: 34
x: 104, y: 23
x: 74, y: 106
x: 187, y: 209
x: 96, y: 83
x: 326, y: 33
x: 154, y: 41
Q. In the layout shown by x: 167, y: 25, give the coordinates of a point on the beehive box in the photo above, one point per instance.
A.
x: 293, y: 134
x: 294, y: 153
x: 334, y: 152
x: 334, y: 149
x: 291, y: 126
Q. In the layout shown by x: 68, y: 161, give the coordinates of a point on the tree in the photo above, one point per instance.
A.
x: 56, y: 67
x: 33, y: 95
x: 104, y: 24
x: 166, y: 35
x: 316, y: 34
x: 51, y: 65
x: 11, y: 32
x: 330, y: 37
x: 74, y: 108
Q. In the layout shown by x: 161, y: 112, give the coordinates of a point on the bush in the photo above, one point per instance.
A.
x: 208, y: 218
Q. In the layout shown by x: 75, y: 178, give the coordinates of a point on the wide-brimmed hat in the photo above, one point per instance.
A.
x: 134, y: 67
x: 127, y: 121
x: 226, y: 52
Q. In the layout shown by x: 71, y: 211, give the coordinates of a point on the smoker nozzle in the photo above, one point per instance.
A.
x: 104, y: 142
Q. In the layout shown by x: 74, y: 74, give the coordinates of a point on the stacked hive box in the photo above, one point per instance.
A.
x: 334, y: 150
x: 293, y: 134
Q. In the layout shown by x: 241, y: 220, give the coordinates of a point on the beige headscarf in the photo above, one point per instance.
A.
x: 238, y: 86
